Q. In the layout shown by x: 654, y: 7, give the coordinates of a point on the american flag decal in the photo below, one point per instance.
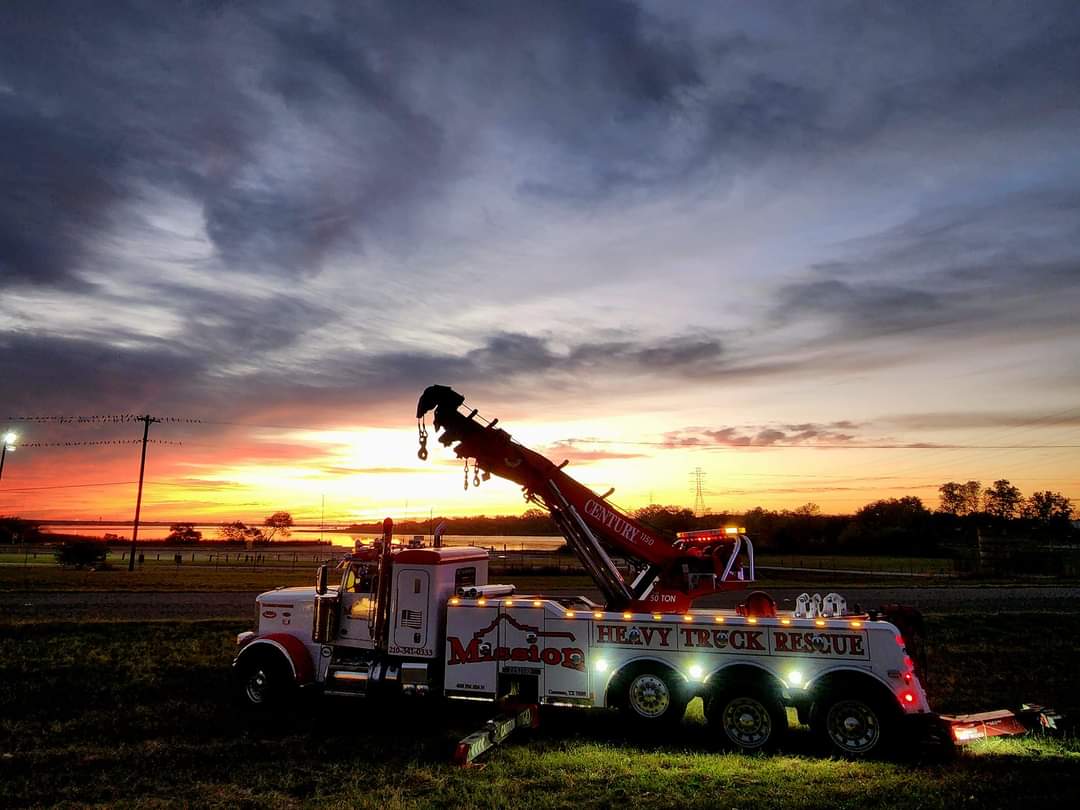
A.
x: 412, y: 618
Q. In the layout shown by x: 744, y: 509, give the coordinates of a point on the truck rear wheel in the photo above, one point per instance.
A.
x: 651, y: 695
x: 262, y: 680
x: 751, y: 716
x: 853, y: 724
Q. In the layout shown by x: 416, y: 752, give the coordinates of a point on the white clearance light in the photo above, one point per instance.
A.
x: 601, y: 665
x: 696, y: 672
x: 795, y: 677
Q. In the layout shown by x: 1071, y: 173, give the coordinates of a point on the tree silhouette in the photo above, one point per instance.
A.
x: 960, y: 499
x: 1002, y: 500
x: 183, y: 533
x: 277, y: 523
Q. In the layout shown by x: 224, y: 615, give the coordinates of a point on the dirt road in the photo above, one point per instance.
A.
x: 127, y: 606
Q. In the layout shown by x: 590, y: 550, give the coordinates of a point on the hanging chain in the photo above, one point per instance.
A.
x: 476, y: 476
x: 466, y: 475
x: 422, y: 452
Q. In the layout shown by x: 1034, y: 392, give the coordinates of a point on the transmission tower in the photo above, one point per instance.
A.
x: 699, y: 492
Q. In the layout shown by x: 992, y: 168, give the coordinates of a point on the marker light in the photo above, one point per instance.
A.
x: 601, y: 665
x: 908, y: 697
x: 731, y: 530
x: 537, y: 603
x: 751, y: 619
x: 794, y: 677
x: 785, y: 621
x: 481, y: 601
x: 696, y: 672
x: 657, y: 616
x: 819, y: 622
x: 455, y: 601
x: 509, y: 603
x: 598, y: 615
x: 628, y: 615
x: 856, y: 623
x: 687, y: 617
x: 719, y: 619
x: 570, y: 614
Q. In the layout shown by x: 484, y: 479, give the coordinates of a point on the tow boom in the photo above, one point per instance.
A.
x: 670, y: 573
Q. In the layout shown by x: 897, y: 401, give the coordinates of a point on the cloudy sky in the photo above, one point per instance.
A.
x: 823, y: 251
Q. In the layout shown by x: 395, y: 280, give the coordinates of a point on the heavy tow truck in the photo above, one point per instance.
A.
x: 425, y: 621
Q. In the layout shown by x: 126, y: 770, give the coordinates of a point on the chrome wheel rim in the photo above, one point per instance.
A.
x: 256, y: 686
x: 853, y: 726
x: 649, y: 695
x: 747, y: 722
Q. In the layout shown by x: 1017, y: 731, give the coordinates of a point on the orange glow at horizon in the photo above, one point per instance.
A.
x: 355, y: 475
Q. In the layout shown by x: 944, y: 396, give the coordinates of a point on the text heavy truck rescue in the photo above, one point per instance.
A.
x: 425, y: 621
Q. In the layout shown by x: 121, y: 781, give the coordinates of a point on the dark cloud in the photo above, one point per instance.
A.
x: 1007, y: 267
x: 804, y: 434
x: 950, y: 420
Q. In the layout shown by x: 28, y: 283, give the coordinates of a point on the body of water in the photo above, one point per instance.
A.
x: 338, y: 539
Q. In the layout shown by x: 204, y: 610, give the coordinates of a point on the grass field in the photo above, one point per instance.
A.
x: 136, y: 714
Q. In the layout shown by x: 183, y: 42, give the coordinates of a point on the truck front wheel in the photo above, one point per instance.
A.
x: 651, y: 695
x: 262, y: 680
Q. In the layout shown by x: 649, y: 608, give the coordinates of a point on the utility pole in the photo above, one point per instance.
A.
x: 146, y: 420
x: 7, y: 442
x: 699, y: 493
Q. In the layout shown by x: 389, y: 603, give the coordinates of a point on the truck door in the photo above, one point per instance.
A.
x: 358, y: 588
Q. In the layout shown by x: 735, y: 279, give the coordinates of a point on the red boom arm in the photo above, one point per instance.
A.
x: 673, y: 572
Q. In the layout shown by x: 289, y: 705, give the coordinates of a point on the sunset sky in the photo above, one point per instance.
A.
x: 825, y: 252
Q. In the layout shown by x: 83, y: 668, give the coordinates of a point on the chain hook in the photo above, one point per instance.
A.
x: 476, y: 476
x: 422, y: 453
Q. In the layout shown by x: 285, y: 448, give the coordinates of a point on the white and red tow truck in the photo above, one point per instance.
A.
x: 425, y: 621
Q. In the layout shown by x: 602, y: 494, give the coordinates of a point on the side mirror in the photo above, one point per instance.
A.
x: 320, y: 580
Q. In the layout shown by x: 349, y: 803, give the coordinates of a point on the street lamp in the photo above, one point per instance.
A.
x: 9, y: 444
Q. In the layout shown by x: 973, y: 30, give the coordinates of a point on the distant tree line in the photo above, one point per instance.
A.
x: 902, y: 525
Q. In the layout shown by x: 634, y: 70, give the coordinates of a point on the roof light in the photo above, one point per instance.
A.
x: 731, y: 530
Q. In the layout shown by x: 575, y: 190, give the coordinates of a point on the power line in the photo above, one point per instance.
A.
x: 97, y: 443
x: 111, y: 418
